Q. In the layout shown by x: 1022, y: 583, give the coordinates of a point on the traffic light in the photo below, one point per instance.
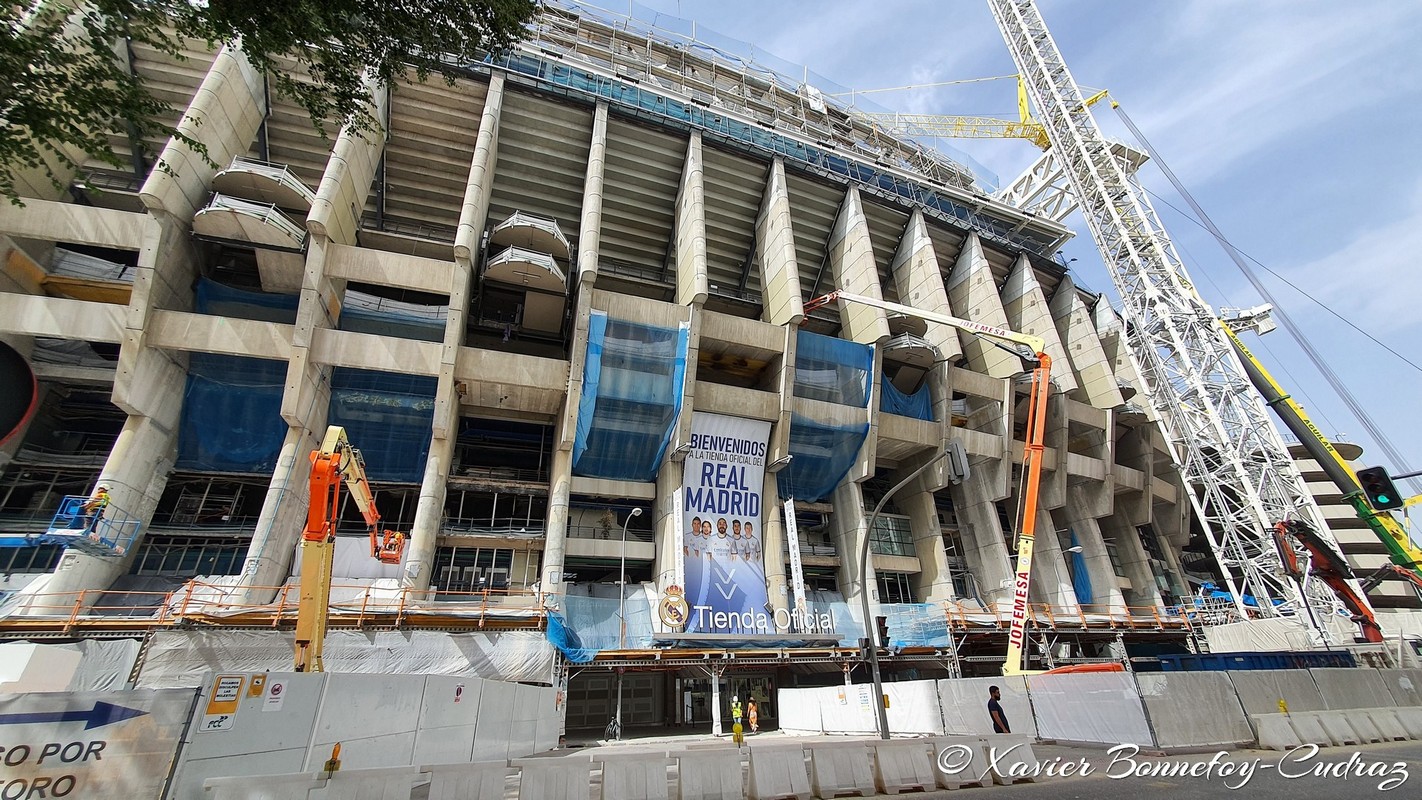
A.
x: 881, y: 624
x: 1377, y: 485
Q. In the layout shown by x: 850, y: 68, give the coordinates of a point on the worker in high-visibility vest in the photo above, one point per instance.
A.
x: 94, y: 508
x: 737, y: 730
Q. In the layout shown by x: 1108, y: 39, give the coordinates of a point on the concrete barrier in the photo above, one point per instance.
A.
x: 1309, y: 729
x: 381, y: 783
x: 960, y: 761
x: 1344, y: 688
x: 1275, y: 731
x: 778, y: 771
x: 1011, y: 758
x: 1363, y: 725
x: 903, y: 766
x: 1260, y: 691
x: 1387, y: 724
x: 1336, y: 727
x: 1193, y: 709
x: 1405, y: 685
x: 964, y: 705
x: 553, y: 778
x: 633, y: 776
x: 710, y: 774
x: 839, y: 769
x: 292, y: 786
x: 1411, y: 719
x: 478, y: 781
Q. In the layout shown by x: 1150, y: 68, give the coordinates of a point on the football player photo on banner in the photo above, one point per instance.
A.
x: 721, y: 540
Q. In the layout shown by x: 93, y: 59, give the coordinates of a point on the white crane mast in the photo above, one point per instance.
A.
x: 1235, y: 465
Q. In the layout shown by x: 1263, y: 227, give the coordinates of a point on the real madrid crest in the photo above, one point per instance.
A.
x: 673, y: 609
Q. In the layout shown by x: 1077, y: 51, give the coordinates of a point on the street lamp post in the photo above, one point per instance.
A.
x: 864, y: 594
x: 622, y: 612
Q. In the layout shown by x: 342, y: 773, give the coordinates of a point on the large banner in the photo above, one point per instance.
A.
x: 721, y: 511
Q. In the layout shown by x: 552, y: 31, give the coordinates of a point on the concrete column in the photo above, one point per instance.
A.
x: 555, y: 543
x: 346, y: 182
x: 224, y: 115
x: 920, y: 284
x: 668, y: 537
x: 148, y: 386
x: 1112, y: 335
x: 692, y: 285
x: 1095, y: 380
x: 849, y: 532
x: 1027, y: 312
x: 590, y: 224
x: 429, y: 511
x: 973, y: 292
x: 934, y: 582
x: 775, y: 248
x: 1106, y: 593
x: 851, y: 261
x: 984, y: 544
x: 772, y: 535
x: 474, y: 214
x: 1051, y: 582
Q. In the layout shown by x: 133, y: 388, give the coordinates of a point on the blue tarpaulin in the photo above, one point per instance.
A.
x: 633, y: 381
x: 822, y: 455
x: 388, y: 416
x: 918, y: 405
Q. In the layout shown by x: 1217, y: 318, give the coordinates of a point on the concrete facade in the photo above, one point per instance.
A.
x: 674, y: 223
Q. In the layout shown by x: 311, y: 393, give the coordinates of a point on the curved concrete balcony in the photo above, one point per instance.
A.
x: 526, y: 268
x: 538, y: 234
x: 279, y: 242
x: 914, y: 356
x: 260, y: 182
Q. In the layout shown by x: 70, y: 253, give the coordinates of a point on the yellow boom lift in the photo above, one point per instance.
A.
x: 334, y: 463
x: 1030, y: 349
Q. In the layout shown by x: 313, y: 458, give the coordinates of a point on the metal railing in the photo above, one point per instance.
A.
x: 613, y: 534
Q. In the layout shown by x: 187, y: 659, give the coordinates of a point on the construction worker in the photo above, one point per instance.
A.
x: 94, y: 508
x: 737, y: 730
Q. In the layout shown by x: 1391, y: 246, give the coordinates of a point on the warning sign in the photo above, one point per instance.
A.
x: 90, y: 744
x: 276, y: 696
x: 221, y: 711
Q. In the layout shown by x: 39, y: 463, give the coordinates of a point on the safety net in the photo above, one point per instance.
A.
x: 832, y: 369
x: 822, y: 454
x: 212, y: 297
x: 590, y: 623
x: 632, y: 388
x: 231, y: 418
x: 368, y: 313
x: 388, y: 417
x: 918, y: 405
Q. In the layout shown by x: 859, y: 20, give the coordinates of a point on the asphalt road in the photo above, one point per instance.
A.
x: 1332, y: 773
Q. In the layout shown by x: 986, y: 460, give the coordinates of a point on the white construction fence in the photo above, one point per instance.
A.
x: 1164, y: 710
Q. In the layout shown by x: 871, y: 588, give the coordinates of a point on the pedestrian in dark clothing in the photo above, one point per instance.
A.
x: 999, y: 719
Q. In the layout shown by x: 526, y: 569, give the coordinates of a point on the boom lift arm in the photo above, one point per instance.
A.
x: 334, y: 463
x: 1031, y: 349
x: 1399, y: 547
x: 1329, y: 566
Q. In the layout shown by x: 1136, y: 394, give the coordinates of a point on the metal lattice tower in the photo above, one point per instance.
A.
x: 1235, y: 466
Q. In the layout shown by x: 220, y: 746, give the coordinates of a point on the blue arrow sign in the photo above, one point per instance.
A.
x: 101, y: 714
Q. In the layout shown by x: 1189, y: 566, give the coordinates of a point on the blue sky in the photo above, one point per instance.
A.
x: 1295, y: 123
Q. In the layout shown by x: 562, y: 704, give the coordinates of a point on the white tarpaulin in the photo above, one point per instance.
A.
x: 82, y: 666
x: 964, y: 704
x: 913, y: 708
x: 180, y: 658
x: 1193, y: 709
x: 1100, y: 707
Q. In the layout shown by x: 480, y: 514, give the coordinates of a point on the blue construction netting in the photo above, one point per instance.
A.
x: 214, y: 298
x: 832, y: 369
x: 388, y: 417
x: 1080, y: 578
x: 633, y: 380
x: 918, y: 405
x: 231, y: 418
x: 366, y: 313
x: 916, y: 624
x: 823, y: 454
x: 591, y: 624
